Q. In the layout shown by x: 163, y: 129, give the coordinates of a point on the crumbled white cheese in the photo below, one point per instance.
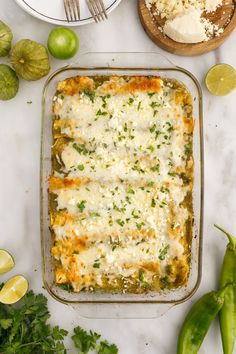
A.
x: 186, y: 28
x: 211, y: 5
x: 184, y: 19
x: 171, y: 8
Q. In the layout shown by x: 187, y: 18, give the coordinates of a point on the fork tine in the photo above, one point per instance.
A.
x: 78, y: 8
x: 66, y: 10
x: 93, y: 11
x: 97, y: 9
x: 70, y: 10
x: 73, y: 9
x: 101, y: 3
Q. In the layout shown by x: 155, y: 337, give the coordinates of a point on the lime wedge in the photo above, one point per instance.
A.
x: 6, y: 261
x: 13, y: 290
x: 221, y: 79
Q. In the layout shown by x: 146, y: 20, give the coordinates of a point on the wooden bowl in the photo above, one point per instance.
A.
x: 224, y: 16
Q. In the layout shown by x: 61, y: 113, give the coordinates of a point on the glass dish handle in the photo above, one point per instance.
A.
x: 144, y: 60
x: 121, y: 311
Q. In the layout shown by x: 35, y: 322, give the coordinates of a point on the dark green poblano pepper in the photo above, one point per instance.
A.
x: 198, y: 321
x: 228, y: 312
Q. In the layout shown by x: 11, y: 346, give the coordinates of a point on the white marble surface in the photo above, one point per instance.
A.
x: 19, y: 178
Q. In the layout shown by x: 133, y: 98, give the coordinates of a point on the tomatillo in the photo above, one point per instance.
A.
x: 63, y: 43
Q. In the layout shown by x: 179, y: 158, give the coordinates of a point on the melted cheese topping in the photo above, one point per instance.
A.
x: 121, y: 190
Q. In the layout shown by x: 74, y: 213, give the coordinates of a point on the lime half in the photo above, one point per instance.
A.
x: 13, y: 290
x: 221, y: 79
x: 6, y: 261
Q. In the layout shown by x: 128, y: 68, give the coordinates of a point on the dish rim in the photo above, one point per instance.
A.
x: 201, y: 149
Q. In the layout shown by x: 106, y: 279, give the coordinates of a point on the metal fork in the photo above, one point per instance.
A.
x: 72, y: 10
x: 97, y: 9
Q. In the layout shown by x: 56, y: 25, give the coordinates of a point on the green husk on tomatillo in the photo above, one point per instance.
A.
x: 5, y: 39
x: 9, y: 83
x: 30, y: 60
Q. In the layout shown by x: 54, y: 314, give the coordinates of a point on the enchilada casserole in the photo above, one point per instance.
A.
x: 120, y: 190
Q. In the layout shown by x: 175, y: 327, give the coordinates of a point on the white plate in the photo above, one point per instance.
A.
x: 53, y: 10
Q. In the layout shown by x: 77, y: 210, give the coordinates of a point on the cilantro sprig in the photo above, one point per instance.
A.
x: 25, y: 330
x: 86, y: 341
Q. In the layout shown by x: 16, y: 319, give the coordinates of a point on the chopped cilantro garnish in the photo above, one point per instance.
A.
x: 141, y: 274
x: 153, y: 203
x: 163, y: 203
x: 130, y: 190
x: 141, y: 241
x: 120, y: 222
x: 155, y: 168
x: 66, y: 287
x: 164, y: 189
x: 130, y: 101
x: 137, y: 168
x: 187, y: 149
x: 169, y: 269
x: 139, y: 225
x: 90, y: 94
x: 80, y: 148
x: 81, y: 167
x: 165, y: 281
x: 152, y: 128
x: 128, y: 199
x: 172, y: 174
x: 134, y: 214
x: 154, y: 105
x: 163, y: 252
x: 96, y: 263
x: 150, y: 184
x: 101, y: 113
x: 151, y: 148
x: 81, y: 205
x: 94, y: 214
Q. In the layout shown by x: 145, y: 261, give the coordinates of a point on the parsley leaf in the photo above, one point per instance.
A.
x: 84, y: 341
x: 106, y: 348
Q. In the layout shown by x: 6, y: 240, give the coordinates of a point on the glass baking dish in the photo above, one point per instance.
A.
x: 122, y: 64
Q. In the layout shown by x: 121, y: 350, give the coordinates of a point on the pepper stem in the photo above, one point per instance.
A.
x: 231, y: 238
x: 221, y: 293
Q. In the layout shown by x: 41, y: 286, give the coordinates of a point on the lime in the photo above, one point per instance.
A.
x: 6, y: 261
x: 221, y: 79
x: 13, y: 290
x: 62, y: 43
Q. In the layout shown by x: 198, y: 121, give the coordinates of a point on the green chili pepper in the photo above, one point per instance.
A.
x: 228, y: 311
x: 198, y: 321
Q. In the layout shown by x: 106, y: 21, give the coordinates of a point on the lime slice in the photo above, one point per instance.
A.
x: 13, y: 290
x: 221, y: 79
x: 6, y: 261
